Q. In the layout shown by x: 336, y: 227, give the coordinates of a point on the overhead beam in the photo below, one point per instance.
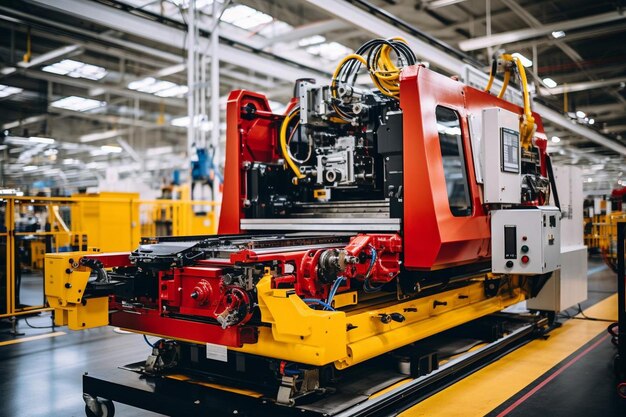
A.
x: 522, y: 34
x: 23, y: 122
x: 582, y: 86
x: 372, y: 24
x: 614, y: 128
x: 308, y: 30
x: 437, y: 4
x: 558, y: 119
x: 360, y: 18
x: 604, y: 108
x: 156, y: 32
x: 54, y: 55
x: 569, y: 37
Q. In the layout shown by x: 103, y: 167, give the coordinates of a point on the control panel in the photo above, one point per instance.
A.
x: 501, y: 158
x: 526, y: 241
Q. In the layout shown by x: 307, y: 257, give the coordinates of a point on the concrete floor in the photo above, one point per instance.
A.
x: 42, y: 377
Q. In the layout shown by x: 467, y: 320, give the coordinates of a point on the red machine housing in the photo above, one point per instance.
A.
x: 432, y: 237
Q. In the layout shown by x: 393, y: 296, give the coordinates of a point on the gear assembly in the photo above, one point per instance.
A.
x: 361, y: 220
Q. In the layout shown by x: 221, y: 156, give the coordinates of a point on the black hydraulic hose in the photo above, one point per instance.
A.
x: 552, y: 181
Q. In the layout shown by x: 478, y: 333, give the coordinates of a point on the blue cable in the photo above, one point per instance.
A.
x: 333, y: 290
x: 316, y: 301
x: 372, y: 262
x: 367, y: 287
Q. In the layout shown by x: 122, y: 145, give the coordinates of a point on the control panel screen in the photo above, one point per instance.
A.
x: 510, y: 150
x: 510, y: 242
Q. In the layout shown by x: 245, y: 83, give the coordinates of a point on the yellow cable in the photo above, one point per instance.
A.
x: 283, y: 144
x: 359, y: 58
x: 491, y: 78
x: 28, y: 54
x: 505, y: 84
x: 527, y: 125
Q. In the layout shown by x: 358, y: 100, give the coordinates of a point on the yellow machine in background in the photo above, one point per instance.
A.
x: 601, y: 228
x: 111, y: 220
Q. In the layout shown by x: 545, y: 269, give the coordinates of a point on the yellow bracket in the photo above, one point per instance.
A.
x: 65, y: 285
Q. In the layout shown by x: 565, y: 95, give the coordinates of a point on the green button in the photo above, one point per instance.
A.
x: 524, y: 248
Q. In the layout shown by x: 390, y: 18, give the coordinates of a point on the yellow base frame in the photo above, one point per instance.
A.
x: 315, y: 337
x: 298, y: 333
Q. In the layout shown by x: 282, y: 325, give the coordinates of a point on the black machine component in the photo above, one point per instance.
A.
x: 535, y: 187
x: 337, y: 160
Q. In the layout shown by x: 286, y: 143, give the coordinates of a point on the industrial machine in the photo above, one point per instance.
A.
x: 360, y: 221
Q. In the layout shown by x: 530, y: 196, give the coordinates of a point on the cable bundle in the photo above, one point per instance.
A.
x: 376, y: 56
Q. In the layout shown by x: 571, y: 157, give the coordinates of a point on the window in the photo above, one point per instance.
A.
x: 451, y: 143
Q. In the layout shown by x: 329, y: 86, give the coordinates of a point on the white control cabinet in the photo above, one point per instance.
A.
x: 568, y: 285
x: 526, y: 241
x: 501, y: 157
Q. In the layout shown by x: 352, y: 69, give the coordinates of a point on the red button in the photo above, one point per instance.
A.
x: 525, y: 259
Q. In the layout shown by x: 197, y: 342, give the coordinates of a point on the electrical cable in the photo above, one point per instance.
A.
x: 333, y: 290
x: 36, y: 327
x: 147, y: 341
x: 527, y: 124
x: 283, y: 143
x: 375, y: 56
x: 367, y: 285
x: 316, y: 301
x: 309, y: 141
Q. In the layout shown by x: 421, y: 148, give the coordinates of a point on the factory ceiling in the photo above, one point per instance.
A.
x: 104, y: 84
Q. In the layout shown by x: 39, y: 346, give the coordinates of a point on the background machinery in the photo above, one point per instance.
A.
x: 359, y: 222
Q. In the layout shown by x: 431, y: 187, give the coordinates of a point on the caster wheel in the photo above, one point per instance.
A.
x: 107, y: 409
x: 621, y: 389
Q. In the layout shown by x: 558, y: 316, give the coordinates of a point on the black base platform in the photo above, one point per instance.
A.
x: 177, y: 395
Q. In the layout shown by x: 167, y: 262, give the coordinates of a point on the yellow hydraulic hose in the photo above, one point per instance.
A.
x: 283, y: 144
x: 527, y: 125
x: 505, y: 84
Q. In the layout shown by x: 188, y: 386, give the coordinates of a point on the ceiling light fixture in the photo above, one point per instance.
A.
x: 37, y: 139
x: 555, y: 139
x: 76, y: 103
x: 76, y: 69
x: 558, y: 34
x: 525, y: 61
x: 549, y: 82
x: 6, y: 91
x: 111, y: 149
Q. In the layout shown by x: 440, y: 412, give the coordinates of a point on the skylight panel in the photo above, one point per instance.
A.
x: 311, y: 40
x: 76, y: 69
x: 157, y: 87
x: 329, y: 50
x: 76, y: 103
x: 6, y: 91
x: 245, y: 17
x: 276, y: 28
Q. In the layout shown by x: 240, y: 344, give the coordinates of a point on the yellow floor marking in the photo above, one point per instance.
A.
x: 242, y: 391
x: 389, y: 388
x: 483, y: 391
x: 31, y: 338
